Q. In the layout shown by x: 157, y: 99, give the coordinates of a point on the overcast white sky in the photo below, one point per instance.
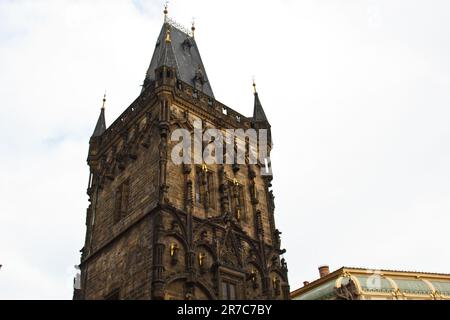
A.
x: 357, y: 92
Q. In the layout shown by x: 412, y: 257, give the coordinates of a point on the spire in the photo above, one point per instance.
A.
x: 165, y: 10
x: 101, y: 123
x: 258, y: 111
x: 176, y: 48
x: 167, y: 57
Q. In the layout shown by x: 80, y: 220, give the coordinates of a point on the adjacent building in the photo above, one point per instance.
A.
x: 365, y: 284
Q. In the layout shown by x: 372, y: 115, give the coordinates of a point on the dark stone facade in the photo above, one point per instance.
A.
x: 157, y: 230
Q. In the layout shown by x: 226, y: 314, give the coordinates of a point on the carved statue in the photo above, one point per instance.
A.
x: 254, y: 279
x: 174, y: 253
x: 276, y: 285
x: 201, y: 259
x: 283, y: 264
x: 347, y: 292
x: 202, y: 262
x: 277, y: 234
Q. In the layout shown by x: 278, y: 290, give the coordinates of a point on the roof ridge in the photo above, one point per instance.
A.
x: 178, y: 26
x: 392, y: 270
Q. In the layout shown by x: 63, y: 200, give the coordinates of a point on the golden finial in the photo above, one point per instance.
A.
x: 104, y: 100
x: 193, y: 27
x: 204, y: 168
x: 168, y: 35
x: 166, y: 4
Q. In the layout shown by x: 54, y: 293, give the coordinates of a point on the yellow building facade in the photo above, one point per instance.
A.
x: 365, y: 284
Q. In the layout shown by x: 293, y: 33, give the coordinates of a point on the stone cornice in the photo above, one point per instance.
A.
x: 183, y: 95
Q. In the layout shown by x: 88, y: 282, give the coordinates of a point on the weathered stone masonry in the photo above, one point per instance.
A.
x: 157, y: 230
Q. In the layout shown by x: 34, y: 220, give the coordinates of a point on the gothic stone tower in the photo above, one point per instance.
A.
x: 158, y: 230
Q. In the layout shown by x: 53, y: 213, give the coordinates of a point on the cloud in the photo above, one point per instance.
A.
x: 356, y: 92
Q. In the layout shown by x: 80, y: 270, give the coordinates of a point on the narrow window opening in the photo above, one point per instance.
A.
x: 197, y: 186
x: 121, y: 201
x: 228, y: 291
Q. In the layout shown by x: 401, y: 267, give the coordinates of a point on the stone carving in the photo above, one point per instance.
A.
x: 174, y: 253
x: 347, y: 292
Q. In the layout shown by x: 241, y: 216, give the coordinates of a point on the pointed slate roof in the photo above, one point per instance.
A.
x: 258, y: 111
x: 181, y: 53
x: 101, y: 124
x: 167, y: 57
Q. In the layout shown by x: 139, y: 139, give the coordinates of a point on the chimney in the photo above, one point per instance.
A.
x: 324, y: 270
x: 305, y: 283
